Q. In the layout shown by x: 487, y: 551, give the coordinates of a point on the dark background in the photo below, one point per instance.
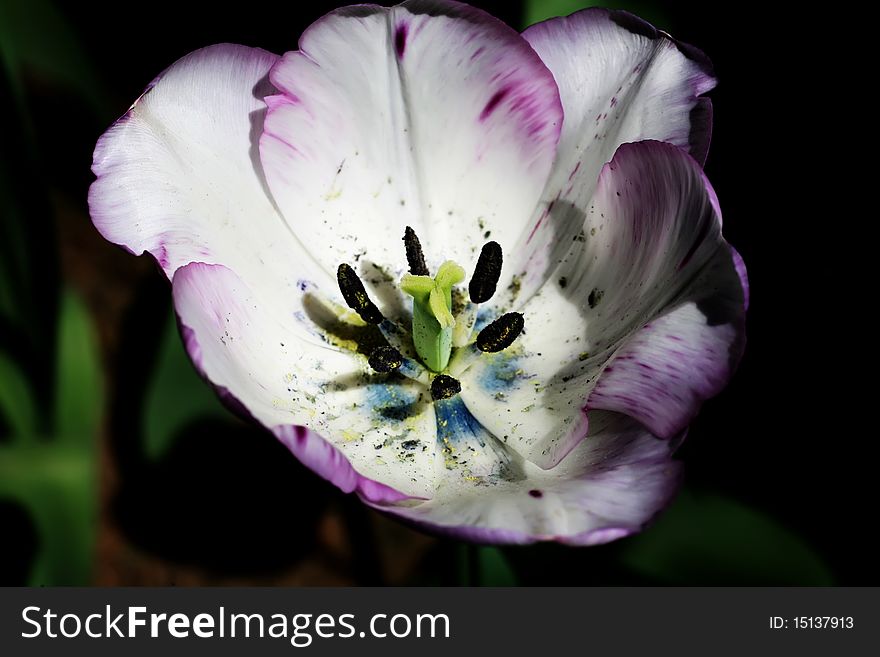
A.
x: 773, y: 493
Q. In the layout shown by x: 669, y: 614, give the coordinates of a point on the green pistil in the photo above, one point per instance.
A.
x: 432, y: 313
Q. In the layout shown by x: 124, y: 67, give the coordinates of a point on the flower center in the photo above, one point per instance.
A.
x: 443, y: 340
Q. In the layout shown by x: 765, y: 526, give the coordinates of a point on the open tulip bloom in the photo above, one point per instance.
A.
x: 474, y: 276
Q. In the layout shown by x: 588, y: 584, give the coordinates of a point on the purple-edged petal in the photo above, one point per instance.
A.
x: 358, y: 425
x: 620, y: 81
x: 178, y: 176
x: 664, y: 372
x: 327, y: 461
x: 743, y: 275
x: 175, y: 175
x: 311, y: 450
x: 608, y: 487
x: 430, y: 114
x: 651, y: 255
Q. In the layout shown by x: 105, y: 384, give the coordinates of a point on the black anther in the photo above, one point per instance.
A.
x: 356, y: 296
x: 444, y: 387
x: 385, y: 359
x: 486, y: 273
x: 414, y: 255
x: 501, y: 333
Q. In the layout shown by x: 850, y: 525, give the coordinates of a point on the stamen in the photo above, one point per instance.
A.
x: 414, y: 255
x: 444, y: 387
x: 497, y: 336
x: 486, y: 273
x: 356, y: 296
x: 501, y: 333
x: 385, y: 359
x: 388, y: 359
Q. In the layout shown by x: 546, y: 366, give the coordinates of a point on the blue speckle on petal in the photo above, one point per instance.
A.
x: 468, y: 447
x: 455, y: 422
x: 484, y: 317
x: 391, y: 402
x: 501, y: 373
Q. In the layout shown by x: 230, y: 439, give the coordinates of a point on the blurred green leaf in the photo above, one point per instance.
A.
x: 478, y: 565
x: 536, y: 11
x: 494, y: 569
x: 28, y: 265
x: 55, y: 478
x: 177, y: 395
x: 710, y: 540
x: 51, y: 361
x: 17, y: 404
x: 540, y: 10
x: 57, y: 486
x: 79, y: 391
x: 35, y: 37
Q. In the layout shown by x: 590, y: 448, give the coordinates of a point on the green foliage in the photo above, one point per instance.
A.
x: 51, y: 383
x: 55, y: 478
x: 478, y: 565
x: 536, y: 11
x: 79, y: 390
x: 710, y: 540
x: 17, y: 406
x: 28, y: 276
x: 494, y: 568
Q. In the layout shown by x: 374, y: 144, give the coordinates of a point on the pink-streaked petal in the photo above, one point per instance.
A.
x: 358, y: 425
x: 664, y: 372
x: 620, y: 81
x: 651, y: 255
x: 608, y: 487
x: 430, y: 114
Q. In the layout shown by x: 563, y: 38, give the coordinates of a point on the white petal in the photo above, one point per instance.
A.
x: 611, y: 485
x: 620, y: 81
x: 429, y: 114
x: 178, y: 176
x: 245, y: 345
x: 652, y: 248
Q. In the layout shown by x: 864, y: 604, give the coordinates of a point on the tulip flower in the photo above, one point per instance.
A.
x: 474, y: 276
